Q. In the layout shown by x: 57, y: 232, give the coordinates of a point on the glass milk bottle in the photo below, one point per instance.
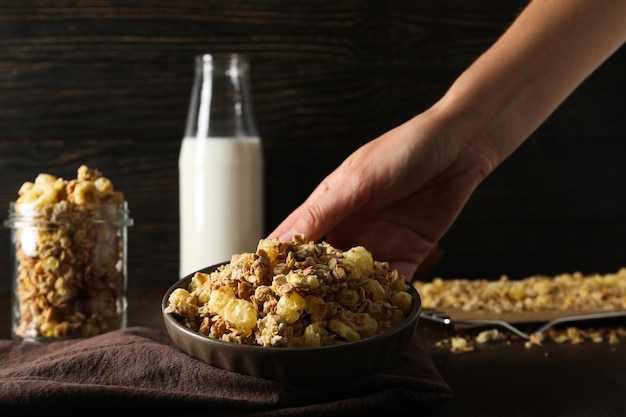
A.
x: 220, y: 166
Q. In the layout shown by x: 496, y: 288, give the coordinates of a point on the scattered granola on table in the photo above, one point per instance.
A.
x: 569, y: 293
x: 463, y: 343
x: 294, y: 294
x: 69, y: 253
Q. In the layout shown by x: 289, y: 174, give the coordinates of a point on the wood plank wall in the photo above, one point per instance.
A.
x: 107, y: 83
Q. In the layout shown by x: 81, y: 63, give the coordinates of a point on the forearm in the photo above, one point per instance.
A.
x: 547, y: 52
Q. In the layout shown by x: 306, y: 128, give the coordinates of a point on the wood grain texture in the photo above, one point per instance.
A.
x: 107, y: 83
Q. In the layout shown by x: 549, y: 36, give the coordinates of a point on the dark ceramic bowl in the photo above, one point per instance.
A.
x: 303, y: 366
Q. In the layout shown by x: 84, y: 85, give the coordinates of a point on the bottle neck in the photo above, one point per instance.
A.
x: 221, y: 104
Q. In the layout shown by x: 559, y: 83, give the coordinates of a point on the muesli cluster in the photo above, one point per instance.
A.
x: 69, y: 253
x: 294, y: 294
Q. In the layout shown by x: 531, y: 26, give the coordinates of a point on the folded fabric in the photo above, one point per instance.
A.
x: 141, y: 369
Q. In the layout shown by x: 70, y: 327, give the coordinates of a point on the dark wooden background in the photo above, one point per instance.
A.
x: 107, y: 83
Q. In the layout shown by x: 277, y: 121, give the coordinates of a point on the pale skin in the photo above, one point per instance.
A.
x: 398, y: 194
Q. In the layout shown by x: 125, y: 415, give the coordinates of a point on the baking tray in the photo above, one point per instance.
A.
x: 516, y: 323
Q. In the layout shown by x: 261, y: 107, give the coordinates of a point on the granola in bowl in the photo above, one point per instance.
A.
x: 296, y: 294
x: 298, y: 312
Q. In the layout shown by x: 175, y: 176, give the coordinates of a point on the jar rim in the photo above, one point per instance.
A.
x: 33, y: 214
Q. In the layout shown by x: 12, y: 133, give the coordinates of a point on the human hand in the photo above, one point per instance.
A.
x: 396, y: 195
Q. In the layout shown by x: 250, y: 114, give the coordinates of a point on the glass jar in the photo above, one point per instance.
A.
x: 69, y: 269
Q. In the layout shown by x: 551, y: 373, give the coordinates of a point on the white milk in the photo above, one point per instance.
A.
x: 221, y: 200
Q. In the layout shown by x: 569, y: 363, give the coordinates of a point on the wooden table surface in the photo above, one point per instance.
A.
x: 587, y: 379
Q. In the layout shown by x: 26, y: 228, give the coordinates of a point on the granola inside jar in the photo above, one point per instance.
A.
x: 69, y: 250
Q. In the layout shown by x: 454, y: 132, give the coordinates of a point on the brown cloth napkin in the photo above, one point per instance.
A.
x: 141, y: 369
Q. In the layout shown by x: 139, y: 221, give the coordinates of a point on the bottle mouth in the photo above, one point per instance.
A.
x: 37, y: 215
x: 223, y: 57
